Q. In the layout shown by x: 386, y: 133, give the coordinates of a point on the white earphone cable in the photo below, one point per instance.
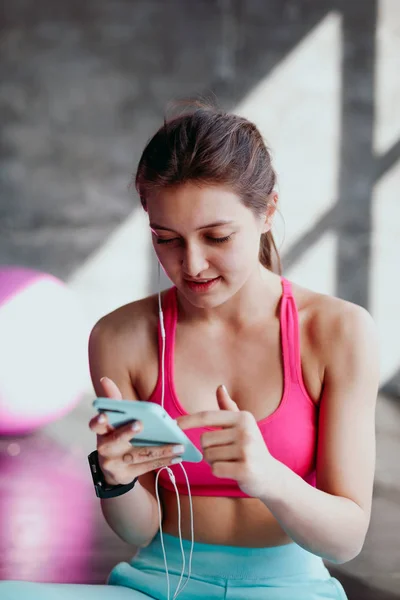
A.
x: 161, y: 316
x: 171, y: 474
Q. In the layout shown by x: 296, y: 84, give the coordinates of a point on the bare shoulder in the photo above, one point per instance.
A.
x: 124, y: 335
x: 333, y: 324
x: 129, y: 326
x: 132, y: 317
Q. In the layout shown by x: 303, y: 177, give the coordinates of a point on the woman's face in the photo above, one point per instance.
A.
x: 206, y: 240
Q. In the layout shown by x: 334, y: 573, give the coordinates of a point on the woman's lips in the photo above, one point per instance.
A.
x: 202, y: 286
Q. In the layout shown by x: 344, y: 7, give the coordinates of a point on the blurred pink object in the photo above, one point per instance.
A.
x: 48, y: 511
x: 43, y: 350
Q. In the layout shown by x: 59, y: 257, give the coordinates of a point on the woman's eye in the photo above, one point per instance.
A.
x: 213, y: 240
x: 162, y: 241
x: 220, y: 240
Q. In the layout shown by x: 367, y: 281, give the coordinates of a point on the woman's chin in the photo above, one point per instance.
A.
x: 205, y: 299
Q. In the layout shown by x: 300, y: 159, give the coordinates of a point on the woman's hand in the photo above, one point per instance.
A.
x: 119, y: 461
x: 237, y: 451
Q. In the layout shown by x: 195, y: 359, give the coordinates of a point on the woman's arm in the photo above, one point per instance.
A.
x: 332, y: 520
x: 133, y: 516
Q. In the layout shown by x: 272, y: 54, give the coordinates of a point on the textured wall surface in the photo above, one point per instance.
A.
x: 84, y: 84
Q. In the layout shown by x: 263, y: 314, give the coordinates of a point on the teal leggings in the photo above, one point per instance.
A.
x: 218, y: 573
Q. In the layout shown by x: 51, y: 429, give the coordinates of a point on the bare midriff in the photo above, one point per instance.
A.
x: 218, y: 520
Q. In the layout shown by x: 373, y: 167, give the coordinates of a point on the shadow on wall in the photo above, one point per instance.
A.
x: 84, y: 85
x: 362, y: 164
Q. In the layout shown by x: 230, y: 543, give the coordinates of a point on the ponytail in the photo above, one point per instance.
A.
x: 268, y: 253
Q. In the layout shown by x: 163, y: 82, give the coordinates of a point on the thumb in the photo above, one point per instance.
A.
x: 111, y: 390
x: 224, y: 400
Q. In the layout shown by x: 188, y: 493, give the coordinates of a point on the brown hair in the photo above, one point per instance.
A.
x: 209, y: 146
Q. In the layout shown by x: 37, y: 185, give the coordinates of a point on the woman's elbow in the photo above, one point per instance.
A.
x: 349, y: 551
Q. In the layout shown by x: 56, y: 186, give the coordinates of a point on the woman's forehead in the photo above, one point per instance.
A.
x: 197, y: 205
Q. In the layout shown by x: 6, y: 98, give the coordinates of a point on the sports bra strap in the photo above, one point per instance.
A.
x: 290, y: 333
x: 287, y: 287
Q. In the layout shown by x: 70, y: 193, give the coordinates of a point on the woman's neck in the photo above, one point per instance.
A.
x: 256, y: 300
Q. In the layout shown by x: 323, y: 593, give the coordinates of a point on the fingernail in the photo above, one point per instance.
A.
x: 224, y: 388
x: 176, y: 460
x: 102, y: 379
x: 101, y: 419
x: 135, y: 426
x: 178, y: 449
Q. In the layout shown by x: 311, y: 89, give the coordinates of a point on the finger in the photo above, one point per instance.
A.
x: 99, y: 424
x: 111, y: 390
x: 229, y: 470
x: 152, y: 454
x: 115, y: 474
x: 218, y: 438
x: 117, y: 440
x: 223, y: 453
x: 225, y: 402
x: 209, y: 418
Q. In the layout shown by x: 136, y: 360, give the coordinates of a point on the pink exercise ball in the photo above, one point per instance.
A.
x: 43, y: 350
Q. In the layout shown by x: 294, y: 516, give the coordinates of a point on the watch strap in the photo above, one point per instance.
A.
x: 104, y: 489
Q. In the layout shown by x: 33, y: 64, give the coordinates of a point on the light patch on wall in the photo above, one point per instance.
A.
x: 118, y: 272
x: 387, y: 84
x: 297, y: 109
x: 316, y: 269
x: 384, y: 281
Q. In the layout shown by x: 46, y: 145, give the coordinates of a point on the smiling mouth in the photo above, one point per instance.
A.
x: 201, y: 280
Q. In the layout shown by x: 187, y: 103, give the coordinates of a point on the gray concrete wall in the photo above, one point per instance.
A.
x: 83, y: 85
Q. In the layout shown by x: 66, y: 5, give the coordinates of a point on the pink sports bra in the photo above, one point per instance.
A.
x: 290, y: 432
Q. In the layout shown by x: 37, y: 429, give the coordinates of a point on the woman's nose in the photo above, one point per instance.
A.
x: 194, y: 261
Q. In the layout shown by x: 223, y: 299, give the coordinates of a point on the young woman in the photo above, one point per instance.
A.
x: 275, y: 384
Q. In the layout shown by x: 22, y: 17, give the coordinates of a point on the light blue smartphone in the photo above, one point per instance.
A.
x: 158, y: 427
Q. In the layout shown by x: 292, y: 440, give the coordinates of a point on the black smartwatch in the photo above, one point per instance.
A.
x: 104, y: 489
